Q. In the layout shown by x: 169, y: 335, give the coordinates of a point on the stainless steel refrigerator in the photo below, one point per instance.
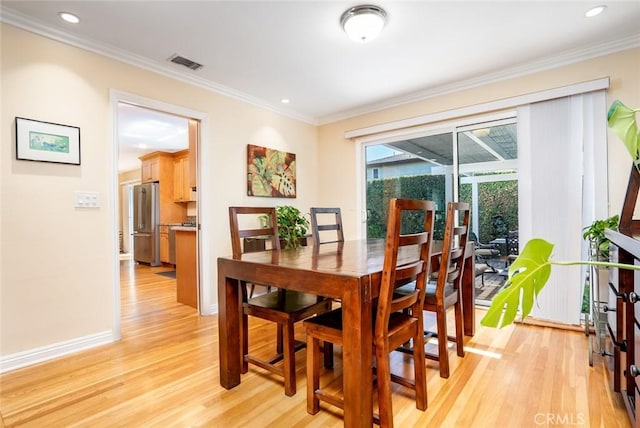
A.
x: 146, y: 215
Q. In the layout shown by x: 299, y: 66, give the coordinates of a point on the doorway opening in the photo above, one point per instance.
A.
x: 153, y: 137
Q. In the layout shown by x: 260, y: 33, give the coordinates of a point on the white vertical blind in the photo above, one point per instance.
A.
x: 563, y: 187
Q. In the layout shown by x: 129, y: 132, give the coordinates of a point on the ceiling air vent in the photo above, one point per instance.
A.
x: 177, y: 59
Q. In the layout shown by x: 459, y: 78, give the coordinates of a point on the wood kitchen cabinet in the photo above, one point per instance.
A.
x: 164, y: 244
x: 181, y: 187
x: 158, y: 167
x: 151, y: 170
x: 186, y: 266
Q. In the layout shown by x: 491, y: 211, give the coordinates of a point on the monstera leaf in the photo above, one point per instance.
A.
x: 528, y: 274
x: 622, y: 121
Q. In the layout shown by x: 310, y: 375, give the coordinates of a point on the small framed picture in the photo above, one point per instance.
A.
x: 47, y: 142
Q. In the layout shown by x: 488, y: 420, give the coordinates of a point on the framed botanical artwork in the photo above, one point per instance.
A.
x: 47, y: 142
x: 270, y: 173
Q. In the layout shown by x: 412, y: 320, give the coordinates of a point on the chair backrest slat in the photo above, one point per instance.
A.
x: 454, y: 244
x: 270, y: 232
x: 416, y: 258
x: 316, y: 227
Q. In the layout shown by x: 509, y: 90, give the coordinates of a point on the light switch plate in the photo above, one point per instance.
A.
x: 87, y: 199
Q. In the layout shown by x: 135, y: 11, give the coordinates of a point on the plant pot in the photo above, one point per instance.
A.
x: 301, y: 241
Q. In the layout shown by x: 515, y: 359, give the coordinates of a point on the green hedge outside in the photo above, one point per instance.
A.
x: 495, y: 198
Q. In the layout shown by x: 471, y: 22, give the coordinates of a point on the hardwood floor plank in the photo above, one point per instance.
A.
x: 164, y: 372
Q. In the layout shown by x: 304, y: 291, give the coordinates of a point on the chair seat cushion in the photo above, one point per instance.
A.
x: 287, y: 301
x: 430, y: 293
x: 405, y: 289
x: 331, y: 319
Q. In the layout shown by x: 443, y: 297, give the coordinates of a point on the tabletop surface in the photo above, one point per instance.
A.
x: 350, y: 258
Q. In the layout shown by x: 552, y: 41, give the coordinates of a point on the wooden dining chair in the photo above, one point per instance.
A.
x: 320, y: 225
x: 445, y: 291
x: 284, y: 307
x: 326, y: 228
x: 397, y: 319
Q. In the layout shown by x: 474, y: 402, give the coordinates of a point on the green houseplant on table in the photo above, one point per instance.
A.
x: 529, y: 273
x: 292, y: 226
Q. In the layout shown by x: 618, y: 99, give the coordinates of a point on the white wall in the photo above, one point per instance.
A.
x: 57, y: 269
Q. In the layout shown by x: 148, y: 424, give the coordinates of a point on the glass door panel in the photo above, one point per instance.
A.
x: 489, y: 183
x: 416, y: 168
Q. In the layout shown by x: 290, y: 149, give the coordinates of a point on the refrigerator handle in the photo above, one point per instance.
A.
x: 141, y: 205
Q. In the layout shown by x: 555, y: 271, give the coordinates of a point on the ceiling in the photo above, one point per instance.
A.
x: 142, y: 131
x: 264, y: 51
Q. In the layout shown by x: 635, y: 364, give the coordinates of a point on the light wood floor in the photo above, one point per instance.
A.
x: 164, y: 372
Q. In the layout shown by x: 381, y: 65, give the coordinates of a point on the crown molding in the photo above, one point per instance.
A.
x: 25, y: 22
x: 548, y: 63
x: 565, y: 58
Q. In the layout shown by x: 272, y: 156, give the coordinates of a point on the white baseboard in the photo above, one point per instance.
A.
x: 49, y: 352
x: 209, y: 310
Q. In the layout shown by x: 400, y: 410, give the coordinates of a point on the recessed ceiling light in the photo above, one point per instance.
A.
x: 595, y: 11
x: 285, y: 101
x: 69, y: 17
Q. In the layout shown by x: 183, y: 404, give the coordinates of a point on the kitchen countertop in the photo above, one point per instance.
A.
x: 184, y: 228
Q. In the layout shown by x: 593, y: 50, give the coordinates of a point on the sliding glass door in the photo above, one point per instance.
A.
x: 474, y: 163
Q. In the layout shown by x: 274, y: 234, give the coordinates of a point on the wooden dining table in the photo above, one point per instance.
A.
x: 349, y: 271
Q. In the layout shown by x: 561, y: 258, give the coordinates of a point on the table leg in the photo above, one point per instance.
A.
x: 357, y: 358
x: 228, y: 329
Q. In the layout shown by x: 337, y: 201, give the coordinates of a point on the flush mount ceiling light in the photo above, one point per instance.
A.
x: 69, y: 17
x: 594, y: 11
x: 363, y: 23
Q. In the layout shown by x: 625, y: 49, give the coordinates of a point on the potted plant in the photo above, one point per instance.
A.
x: 595, y: 234
x: 292, y: 226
